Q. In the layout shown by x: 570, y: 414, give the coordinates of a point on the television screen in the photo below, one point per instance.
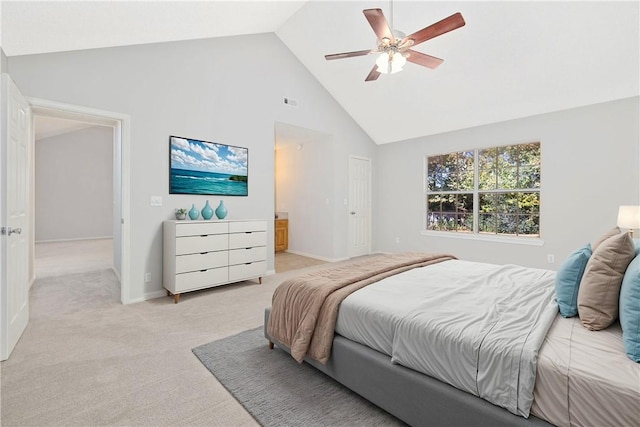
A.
x: 202, y: 167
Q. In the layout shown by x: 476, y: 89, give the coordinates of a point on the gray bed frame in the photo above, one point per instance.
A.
x: 415, y: 398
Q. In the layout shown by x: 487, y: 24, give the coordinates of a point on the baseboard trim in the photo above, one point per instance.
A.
x: 77, y: 239
x: 147, y: 296
x: 117, y: 273
x: 321, y: 258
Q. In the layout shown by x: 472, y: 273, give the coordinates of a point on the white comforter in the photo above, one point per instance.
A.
x: 473, y: 325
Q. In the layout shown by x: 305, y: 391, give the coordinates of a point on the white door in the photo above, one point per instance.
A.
x: 14, y: 278
x: 359, y: 206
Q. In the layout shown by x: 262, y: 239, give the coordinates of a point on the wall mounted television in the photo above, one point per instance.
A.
x: 209, y: 168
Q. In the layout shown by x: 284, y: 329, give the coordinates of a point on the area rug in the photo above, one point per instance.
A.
x: 277, y: 391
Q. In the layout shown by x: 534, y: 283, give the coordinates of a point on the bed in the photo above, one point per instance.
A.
x: 563, y: 363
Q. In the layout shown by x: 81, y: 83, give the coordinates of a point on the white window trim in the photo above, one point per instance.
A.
x: 519, y: 240
x: 529, y: 241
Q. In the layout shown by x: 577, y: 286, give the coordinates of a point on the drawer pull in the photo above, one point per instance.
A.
x: 203, y: 235
x: 247, y: 232
x: 248, y: 263
x: 203, y: 253
x: 248, y: 249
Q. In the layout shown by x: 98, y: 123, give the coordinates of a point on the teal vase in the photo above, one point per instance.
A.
x: 207, y: 212
x: 193, y: 212
x: 221, y: 211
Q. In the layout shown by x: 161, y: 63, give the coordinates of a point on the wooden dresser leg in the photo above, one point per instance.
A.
x: 260, y: 280
x: 168, y: 293
x: 176, y: 298
x: 270, y: 345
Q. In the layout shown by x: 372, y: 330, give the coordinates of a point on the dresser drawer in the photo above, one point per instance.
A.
x: 195, y: 262
x: 247, y: 240
x: 241, y: 226
x: 243, y: 256
x: 201, y: 228
x: 247, y: 271
x: 201, y: 279
x: 198, y: 244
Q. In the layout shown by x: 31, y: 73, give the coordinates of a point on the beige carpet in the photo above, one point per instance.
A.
x: 86, y: 359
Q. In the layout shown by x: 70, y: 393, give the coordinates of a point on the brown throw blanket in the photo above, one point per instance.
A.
x: 304, y: 309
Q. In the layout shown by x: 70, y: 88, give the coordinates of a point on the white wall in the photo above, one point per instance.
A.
x: 4, y: 63
x: 590, y: 166
x: 226, y: 90
x: 74, y: 185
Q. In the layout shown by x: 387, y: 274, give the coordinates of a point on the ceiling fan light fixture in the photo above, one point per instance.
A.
x: 390, y: 62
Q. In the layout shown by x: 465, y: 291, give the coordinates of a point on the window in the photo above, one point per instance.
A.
x: 486, y: 191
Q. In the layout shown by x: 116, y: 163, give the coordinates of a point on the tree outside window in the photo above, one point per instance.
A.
x: 487, y: 191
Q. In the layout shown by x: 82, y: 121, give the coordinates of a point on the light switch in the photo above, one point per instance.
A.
x: 155, y: 201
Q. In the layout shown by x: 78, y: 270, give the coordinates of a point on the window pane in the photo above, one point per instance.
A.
x: 448, y: 203
x: 507, y: 178
x: 507, y: 156
x: 487, y: 157
x: 507, y: 202
x: 529, y: 154
x: 529, y: 203
x: 529, y: 225
x: 487, y: 223
x: 507, y: 223
x: 447, y: 221
x: 434, y: 172
x: 529, y: 177
x: 466, y: 172
x: 466, y: 222
x: 465, y: 212
x: 434, y: 203
x: 487, y: 202
x: 487, y: 168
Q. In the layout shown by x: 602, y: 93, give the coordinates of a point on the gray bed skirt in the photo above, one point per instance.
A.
x: 416, y: 399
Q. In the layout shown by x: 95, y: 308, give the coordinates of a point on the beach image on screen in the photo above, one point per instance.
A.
x: 200, y: 167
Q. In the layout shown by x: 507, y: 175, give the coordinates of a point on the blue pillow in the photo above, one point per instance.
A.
x: 630, y: 310
x: 568, y: 280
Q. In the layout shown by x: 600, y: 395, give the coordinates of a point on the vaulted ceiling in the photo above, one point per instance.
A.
x: 510, y: 60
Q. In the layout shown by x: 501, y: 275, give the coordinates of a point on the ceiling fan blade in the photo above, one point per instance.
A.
x: 447, y: 24
x: 349, y: 54
x: 424, y: 60
x: 379, y: 23
x: 373, y: 74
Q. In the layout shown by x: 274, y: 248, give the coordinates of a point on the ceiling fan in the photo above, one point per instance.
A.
x: 395, y: 48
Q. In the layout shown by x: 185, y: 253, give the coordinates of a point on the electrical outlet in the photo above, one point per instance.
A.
x: 551, y: 258
x: 147, y: 277
x: 155, y: 201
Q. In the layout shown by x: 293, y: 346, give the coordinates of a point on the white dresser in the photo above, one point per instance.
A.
x: 203, y: 254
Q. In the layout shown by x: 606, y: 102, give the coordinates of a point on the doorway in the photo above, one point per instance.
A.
x: 118, y: 126
x: 304, y: 189
x: 73, y: 196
